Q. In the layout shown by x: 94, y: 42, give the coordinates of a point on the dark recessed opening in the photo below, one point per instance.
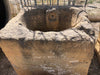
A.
x: 52, y: 16
x: 49, y: 19
x: 4, y: 14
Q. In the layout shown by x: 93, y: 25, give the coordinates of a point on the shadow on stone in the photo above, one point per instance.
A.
x: 5, y: 66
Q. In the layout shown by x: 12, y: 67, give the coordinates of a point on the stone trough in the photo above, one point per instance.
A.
x: 49, y: 41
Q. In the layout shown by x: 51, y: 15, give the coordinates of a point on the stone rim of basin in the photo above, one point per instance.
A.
x: 15, y: 29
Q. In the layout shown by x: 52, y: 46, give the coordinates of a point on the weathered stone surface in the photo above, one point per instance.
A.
x: 5, y: 66
x: 97, y: 30
x: 34, y: 52
x: 93, y: 11
x: 98, y: 48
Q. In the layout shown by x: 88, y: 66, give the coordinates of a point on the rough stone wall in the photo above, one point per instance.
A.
x: 49, y: 58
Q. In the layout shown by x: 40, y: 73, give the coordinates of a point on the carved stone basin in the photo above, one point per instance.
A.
x: 49, y: 41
